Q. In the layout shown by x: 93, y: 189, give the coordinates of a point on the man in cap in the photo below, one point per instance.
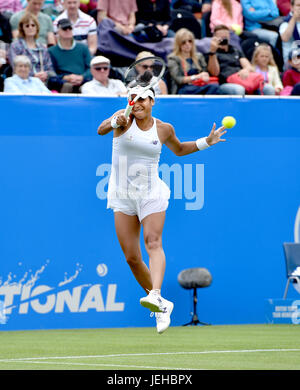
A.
x: 101, y: 84
x: 71, y: 59
x: 84, y: 26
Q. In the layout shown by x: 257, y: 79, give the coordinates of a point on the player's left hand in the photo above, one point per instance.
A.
x: 215, y: 135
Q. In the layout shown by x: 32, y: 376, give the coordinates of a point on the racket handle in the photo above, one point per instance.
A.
x: 128, y: 110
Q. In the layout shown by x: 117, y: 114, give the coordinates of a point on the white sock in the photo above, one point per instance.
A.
x: 156, y: 291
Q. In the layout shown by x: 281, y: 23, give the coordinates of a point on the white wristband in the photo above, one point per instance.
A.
x: 113, y: 123
x: 201, y: 143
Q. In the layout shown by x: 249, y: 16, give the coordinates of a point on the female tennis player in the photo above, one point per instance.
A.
x: 138, y: 196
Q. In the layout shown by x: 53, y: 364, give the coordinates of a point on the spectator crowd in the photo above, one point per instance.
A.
x: 211, y: 47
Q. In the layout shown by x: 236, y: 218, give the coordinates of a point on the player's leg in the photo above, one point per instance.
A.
x: 153, y: 228
x: 128, y: 232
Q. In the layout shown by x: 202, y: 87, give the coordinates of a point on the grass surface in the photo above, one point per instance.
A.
x: 245, y: 347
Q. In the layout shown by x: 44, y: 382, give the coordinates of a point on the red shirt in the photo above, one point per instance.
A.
x: 118, y: 10
x: 291, y: 77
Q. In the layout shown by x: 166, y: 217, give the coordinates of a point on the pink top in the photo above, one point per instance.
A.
x: 118, y: 10
x: 10, y: 5
x: 219, y: 15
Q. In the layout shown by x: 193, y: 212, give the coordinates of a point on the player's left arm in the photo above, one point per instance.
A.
x: 183, y: 148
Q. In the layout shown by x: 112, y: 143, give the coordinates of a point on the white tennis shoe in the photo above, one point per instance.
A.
x: 163, y: 319
x: 153, y: 302
x: 161, y: 307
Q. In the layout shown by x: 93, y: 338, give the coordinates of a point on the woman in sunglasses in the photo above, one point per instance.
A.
x: 190, y: 75
x: 160, y: 88
x: 28, y: 45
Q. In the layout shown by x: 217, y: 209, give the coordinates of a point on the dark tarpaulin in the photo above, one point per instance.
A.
x: 123, y: 49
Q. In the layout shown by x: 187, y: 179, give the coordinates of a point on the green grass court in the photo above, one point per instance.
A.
x: 230, y: 347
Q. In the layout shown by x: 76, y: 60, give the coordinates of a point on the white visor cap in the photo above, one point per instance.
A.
x: 139, y: 90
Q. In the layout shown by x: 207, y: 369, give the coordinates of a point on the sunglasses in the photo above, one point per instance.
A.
x: 187, y: 40
x: 145, y: 67
x: 29, y: 25
x: 100, y: 68
x: 66, y: 28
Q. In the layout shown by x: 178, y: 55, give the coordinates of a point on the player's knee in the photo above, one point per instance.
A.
x: 132, y: 259
x: 152, y: 241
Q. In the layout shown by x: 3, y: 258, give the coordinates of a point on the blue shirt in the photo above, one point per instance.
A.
x: 32, y: 85
x: 265, y: 10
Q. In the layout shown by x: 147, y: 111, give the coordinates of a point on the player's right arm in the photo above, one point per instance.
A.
x: 106, y: 125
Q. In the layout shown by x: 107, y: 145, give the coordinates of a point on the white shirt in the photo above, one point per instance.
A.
x: 114, y: 88
x: 135, y: 160
x: 85, y: 25
x: 32, y: 85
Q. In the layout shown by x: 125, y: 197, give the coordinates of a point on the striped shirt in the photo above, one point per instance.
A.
x: 84, y: 26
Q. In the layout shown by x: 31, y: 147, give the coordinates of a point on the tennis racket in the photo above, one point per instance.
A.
x: 145, y: 73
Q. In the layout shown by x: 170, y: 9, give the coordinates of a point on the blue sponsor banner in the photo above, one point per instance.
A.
x: 232, y: 206
x: 283, y: 311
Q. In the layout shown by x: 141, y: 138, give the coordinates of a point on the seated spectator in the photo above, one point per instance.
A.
x: 228, y: 13
x: 290, y: 29
x: 5, y: 68
x: 227, y: 60
x: 84, y: 26
x: 121, y: 12
x: 186, y: 66
x: 5, y: 29
x: 263, y: 62
x: 46, y: 35
x: 71, y: 60
x: 156, y: 13
x: 291, y: 77
x: 160, y: 88
x: 27, y: 44
x: 256, y: 11
x: 21, y: 82
x: 9, y: 7
x: 101, y: 84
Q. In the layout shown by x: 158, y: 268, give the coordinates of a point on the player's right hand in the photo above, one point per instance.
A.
x: 122, y: 120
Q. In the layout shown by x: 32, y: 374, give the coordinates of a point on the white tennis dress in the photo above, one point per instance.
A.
x: 135, y: 187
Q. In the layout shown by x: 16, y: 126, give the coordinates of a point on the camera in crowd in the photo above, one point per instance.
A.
x: 223, y: 42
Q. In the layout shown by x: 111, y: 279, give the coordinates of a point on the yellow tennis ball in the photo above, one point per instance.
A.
x: 84, y: 1
x: 237, y: 29
x: 228, y: 122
